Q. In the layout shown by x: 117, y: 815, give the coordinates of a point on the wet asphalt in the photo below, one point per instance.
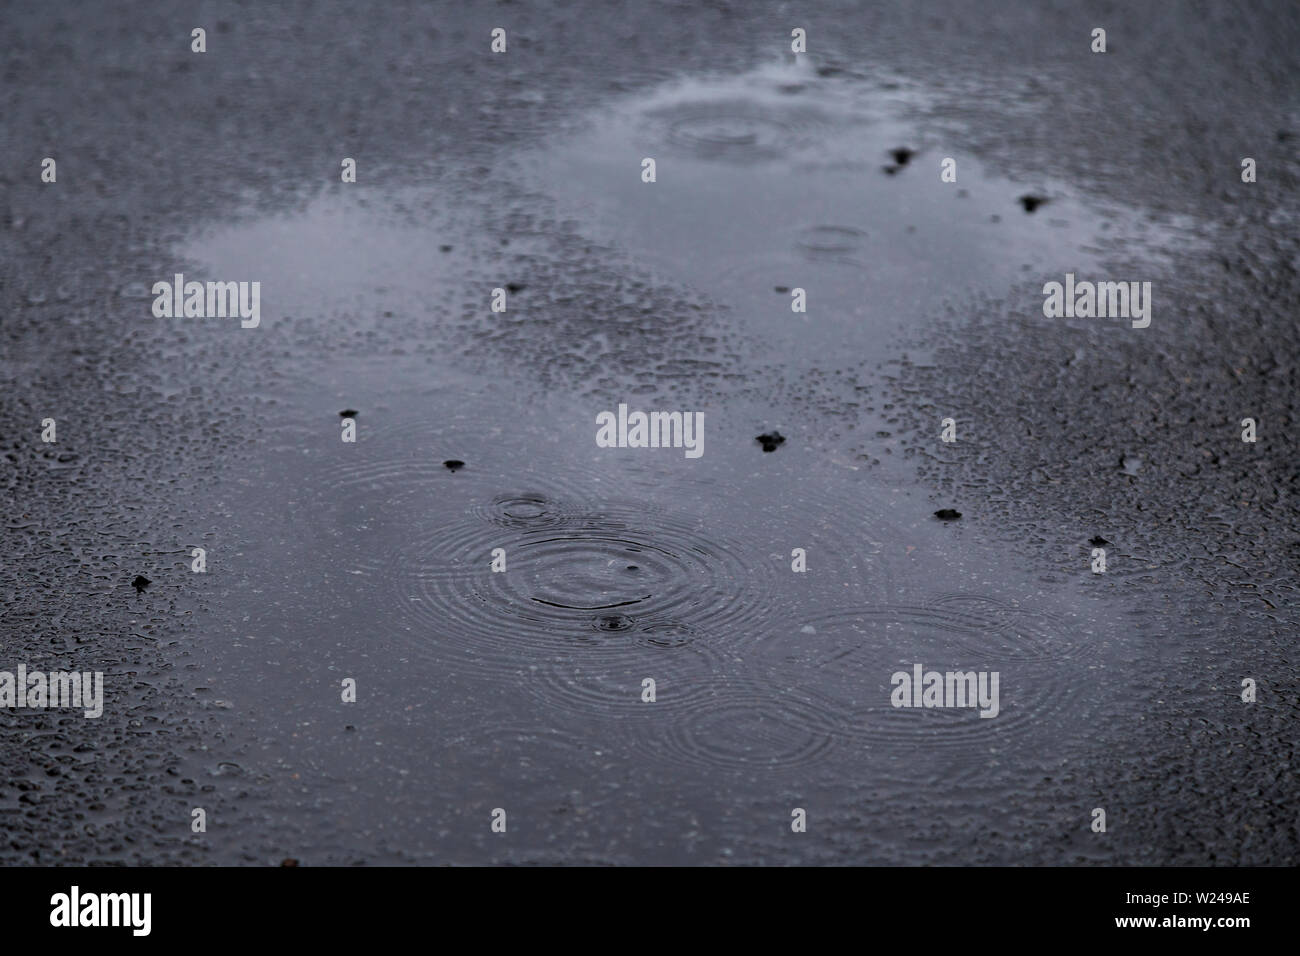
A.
x: 522, y: 690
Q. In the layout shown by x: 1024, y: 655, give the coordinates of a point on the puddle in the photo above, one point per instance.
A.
x: 343, y: 254
x: 374, y: 560
x: 782, y: 179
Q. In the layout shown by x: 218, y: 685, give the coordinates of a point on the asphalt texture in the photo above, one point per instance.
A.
x: 222, y: 689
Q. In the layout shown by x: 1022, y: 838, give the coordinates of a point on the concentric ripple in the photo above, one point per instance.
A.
x: 738, y: 130
x: 978, y: 627
x: 611, y: 686
x: 743, y: 721
x: 994, y: 630
x: 857, y: 652
x: 711, y: 709
x: 529, y: 510
x: 600, y: 581
x: 399, y: 464
x: 843, y: 244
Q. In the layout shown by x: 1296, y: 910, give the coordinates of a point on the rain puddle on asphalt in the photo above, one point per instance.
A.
x: 526, y: 688
x: 782, y: 179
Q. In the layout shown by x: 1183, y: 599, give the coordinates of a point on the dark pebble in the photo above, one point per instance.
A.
x: 770, y: 441
x: 140, y: 583
x: 348, y: 413
x: 1097, y: 541
x: 947, y: 514
x: 454, y: 465
x: 902, y: 155
x: 1032, y: 202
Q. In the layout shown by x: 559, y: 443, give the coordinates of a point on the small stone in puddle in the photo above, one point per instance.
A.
x: 902, y: 154
x: 770, y: 440
x: 140, y: 583
x: 513, y: 287
x: 453, y: 465
x: 1032, y: 202
x: 947, y: 514
x: 444, y: 248
x: 1097, y: 541
x: 890, y: 170
x: 633, y: 567
x: 781, y: 288
x: 348, y: 413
